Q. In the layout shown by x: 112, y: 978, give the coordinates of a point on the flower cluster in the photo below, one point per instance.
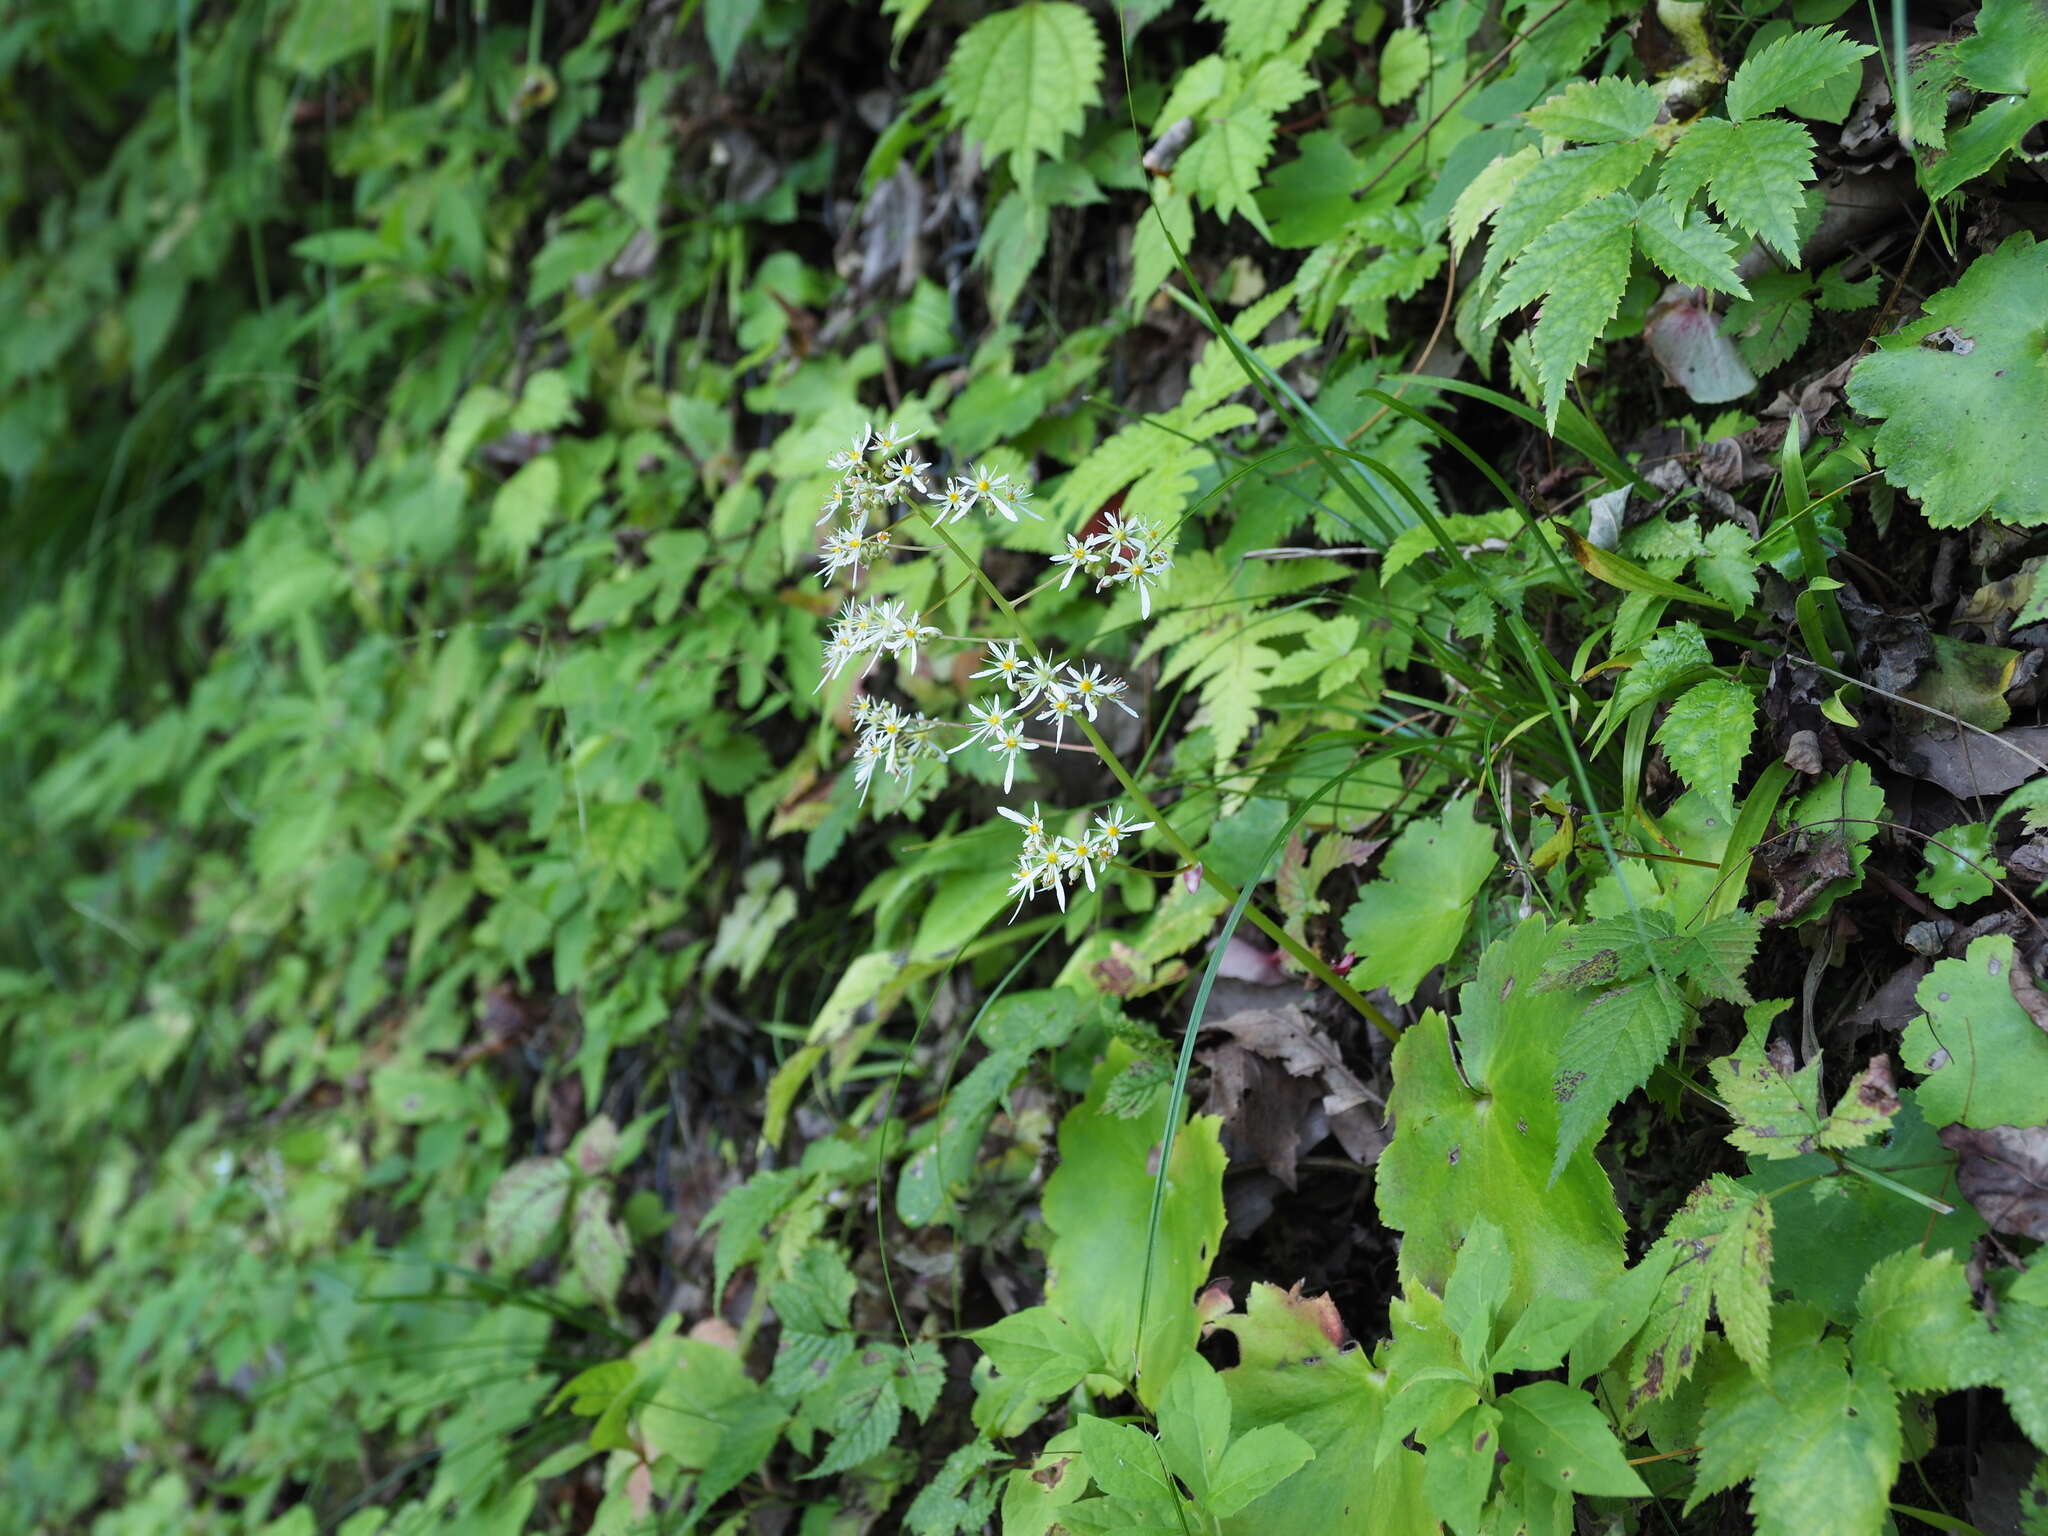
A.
x: 1050, y: 863
x: 892, y: 741
x: 1128, y: 549
x: 873, y: 629
x: 867, y: 489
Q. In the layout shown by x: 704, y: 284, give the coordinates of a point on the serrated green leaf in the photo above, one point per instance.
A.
x: 1404, y: 64
x: 522, y: 507
x: 1773, y: 322
x: 1706, y: 735
x: 1022, y: 80
x: 1409, y: 921
x: 1613, y: 1044
x: 1984, y: 1061
x: 1688, y: 247
x: 1819, y: 1444
x: 1254, y: 28
x: 1554, y: 187
x: 1790, y: 67
x: 1755, y: 172
x: 1603, y: 111
x: 1222, y: 167
x: 1580, y: 265
x: 1046, y: 1353
x: 1727, y: 568
x: 1484, y: 194
x: 2023, y: 1366
x: 1958, y: 418
x: 1556, y: 1433
x: 1916, y: 1322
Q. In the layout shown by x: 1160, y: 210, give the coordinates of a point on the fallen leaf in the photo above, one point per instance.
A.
x: 2028, y: 992
x: 2002, y: 1170
x: 1972, y: 763
x: 1281, y: 1085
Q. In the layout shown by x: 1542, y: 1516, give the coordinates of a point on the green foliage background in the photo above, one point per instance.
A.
x: 470, y: 1060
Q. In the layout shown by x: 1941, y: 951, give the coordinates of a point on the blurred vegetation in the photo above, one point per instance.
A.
x: 476, y: 1053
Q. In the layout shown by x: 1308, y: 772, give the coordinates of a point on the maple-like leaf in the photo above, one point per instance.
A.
x: 1962, y: 394
x: 1409, y: 921
x: 1984, y: 1059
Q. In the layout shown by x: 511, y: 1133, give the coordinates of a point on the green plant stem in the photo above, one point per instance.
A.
x: 1310, y: 961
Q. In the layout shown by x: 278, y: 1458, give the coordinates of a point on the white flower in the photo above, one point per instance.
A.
x: 1025, y: 881
x: 1053, y: 861
x: 1080, y: 557
x: 1039, y: 676
x: 1003, y: 663
x: 867, y: 756
x: 1015, y: 498
x: 954, y: 502
x: 1033, y: 825
x: 1059, y: 709
x: 889, y: 439
x: 844, y: 549
x: 907, y: 474
x: 1142, y: 568
x: 1008, y: 743
x: 1091, y: 689
x: 905, y: 634
x: 990, y: 721
x: 1088, y: 852
x: 1113, y: 827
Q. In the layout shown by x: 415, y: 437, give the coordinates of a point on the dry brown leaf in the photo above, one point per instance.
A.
x: 2003, y: 1172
